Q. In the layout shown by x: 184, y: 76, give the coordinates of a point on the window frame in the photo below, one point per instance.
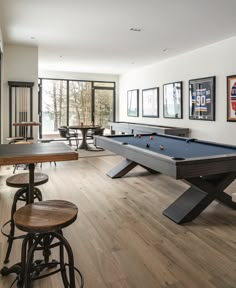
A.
x: 93, y: 87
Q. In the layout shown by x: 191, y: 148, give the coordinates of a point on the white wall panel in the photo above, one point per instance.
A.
x: 213, y: 60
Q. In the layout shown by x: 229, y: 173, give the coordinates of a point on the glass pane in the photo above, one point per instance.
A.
x: 103, y: 107
x: 54, y: 105
x: 104, y: 84
x: 80, y: 98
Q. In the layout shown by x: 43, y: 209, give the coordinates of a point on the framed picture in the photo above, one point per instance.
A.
x: 132, y: 103
x: 150, y: 102
x: 202, y: 99
x: 231, y: 98
x: 172, y: 100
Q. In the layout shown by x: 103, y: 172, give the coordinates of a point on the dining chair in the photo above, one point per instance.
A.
x: 69, y: 135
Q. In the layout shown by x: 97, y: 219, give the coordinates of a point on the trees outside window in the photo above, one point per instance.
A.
x: 54, y: 105
x: 80, y: 102
x: 103, y: 106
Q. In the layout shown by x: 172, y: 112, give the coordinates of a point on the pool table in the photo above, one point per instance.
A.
x: 207, y: 167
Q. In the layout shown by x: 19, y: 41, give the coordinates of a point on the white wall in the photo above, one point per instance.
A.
x: 213, y: 60
x: 20, y: 63
x: 78, y: 76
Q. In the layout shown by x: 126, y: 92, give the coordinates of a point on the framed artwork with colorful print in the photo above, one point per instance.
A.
x: 202, y: 99
x: 231, y: 98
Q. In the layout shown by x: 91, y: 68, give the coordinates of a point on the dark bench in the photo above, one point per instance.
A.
x: 139, y: 128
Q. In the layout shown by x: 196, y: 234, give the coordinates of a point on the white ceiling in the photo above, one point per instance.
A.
x: 94, y: 35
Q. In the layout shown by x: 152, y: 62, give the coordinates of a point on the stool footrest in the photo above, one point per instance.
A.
x: 16, y: 268
x: 52, y: 265
x: 20, y: 195
x: 7, y: 234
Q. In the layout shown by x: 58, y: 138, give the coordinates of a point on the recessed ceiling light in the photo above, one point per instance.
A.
x: 61, y: 56
x: 133, y: 29
x: 32, y: 37
x: 164, y: 50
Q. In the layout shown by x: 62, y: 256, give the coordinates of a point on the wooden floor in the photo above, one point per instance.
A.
x: 122, y: 240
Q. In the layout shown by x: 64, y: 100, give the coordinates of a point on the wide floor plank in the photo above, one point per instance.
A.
x: 122, y: 240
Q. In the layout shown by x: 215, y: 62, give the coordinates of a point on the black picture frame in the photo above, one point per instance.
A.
x: 173, y: 100
x: 150, y: 102
x: 133, y: 103
x: 231, y: 98
x: 202, y: 99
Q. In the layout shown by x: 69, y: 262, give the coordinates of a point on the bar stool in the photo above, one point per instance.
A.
x: 21, y: 181
x: 43, y: 221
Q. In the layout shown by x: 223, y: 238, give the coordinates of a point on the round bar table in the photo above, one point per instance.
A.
x: 26, y: 125
x: 84, y: 130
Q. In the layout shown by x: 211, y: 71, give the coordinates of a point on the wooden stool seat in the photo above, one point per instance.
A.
x: 14, y: 139
x: 24, y: 142
x: 45, y: 216
x: 22, y: 180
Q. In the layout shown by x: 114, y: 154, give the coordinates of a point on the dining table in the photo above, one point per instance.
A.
x: 84, y: 131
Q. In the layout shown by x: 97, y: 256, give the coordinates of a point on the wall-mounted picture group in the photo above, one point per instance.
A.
x: 201, y: 100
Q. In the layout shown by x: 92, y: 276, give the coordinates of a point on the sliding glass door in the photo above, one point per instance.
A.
x: 103, y: 106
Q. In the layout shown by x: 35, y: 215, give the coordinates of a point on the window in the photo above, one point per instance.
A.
x: 70, y: 102
x: 54, y: 105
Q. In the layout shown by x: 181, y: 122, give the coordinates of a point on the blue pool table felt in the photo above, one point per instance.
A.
x: 176, y: 147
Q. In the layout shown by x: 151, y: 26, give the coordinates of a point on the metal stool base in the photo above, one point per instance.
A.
x: 29, y: 270
x: 20, y: 195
